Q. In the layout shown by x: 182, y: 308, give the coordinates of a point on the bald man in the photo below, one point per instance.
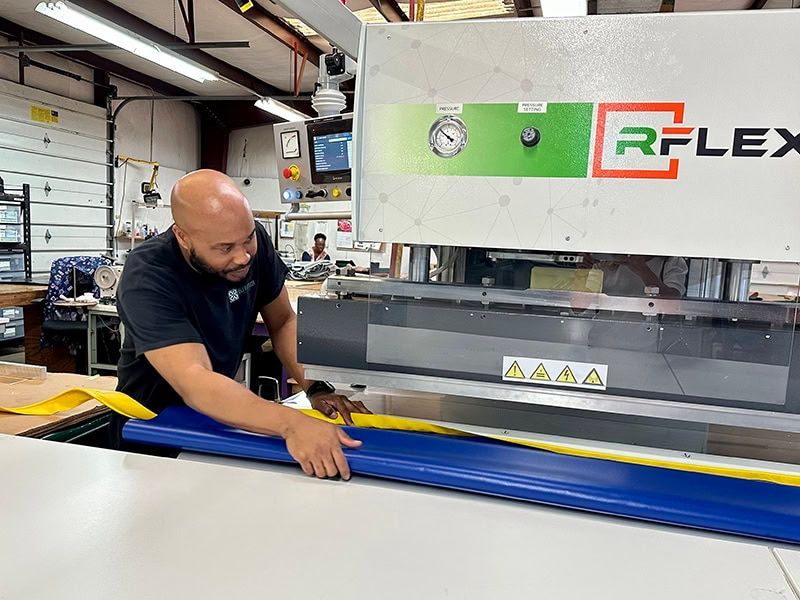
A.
x: 189, y: 300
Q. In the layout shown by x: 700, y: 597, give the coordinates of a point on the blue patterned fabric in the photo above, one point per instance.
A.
x: 61, y: 283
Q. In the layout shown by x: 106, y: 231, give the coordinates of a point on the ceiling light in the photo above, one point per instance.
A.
x: 279, y: 109
x: 111, y: 33
x: 244, y: 5
x: 564, y: 8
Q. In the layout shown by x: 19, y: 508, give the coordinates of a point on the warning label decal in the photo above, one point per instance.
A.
x: 568, y: 373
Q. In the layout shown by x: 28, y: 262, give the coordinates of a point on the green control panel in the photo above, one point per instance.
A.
x: 490, y: 140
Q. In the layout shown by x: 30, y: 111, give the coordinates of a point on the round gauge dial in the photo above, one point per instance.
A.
x: 530, y: 136
x: 447, y: 136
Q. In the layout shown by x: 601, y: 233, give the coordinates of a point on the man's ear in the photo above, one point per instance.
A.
x: 180, y: 235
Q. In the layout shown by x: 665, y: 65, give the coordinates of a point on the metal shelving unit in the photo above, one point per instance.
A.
x: 15, y: 254
x: 15, y: 212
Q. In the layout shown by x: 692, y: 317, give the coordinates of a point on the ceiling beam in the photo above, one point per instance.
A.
x: 390, y: 10
x: 126, y: 20
x: 278, y: 30
x: 11, y: 29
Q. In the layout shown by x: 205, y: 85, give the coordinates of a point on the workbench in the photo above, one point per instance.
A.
x: 20, y: 294
x: 126, y: 526
x: 65, y: 426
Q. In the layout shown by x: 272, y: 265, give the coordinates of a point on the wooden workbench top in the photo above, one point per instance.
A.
x: 21, y: 294
x: 23, y: 392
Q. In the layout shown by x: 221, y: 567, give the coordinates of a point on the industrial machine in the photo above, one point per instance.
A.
x: 594, y: 225
x: 314, y: 159
x: 314, y: 156
x: 594, y: 222
x: 107, y: 278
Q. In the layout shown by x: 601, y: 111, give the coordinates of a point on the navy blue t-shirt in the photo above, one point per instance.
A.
x: 162, y: 301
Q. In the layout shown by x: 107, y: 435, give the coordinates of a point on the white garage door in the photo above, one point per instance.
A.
x: 58, y: 146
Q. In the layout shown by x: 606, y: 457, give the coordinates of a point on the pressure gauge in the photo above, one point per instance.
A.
x: 290, y: 144
x: 529, y: 137
x: 447, y: 136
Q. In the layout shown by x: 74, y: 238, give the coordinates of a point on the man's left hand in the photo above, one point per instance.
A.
x: 332, y: 405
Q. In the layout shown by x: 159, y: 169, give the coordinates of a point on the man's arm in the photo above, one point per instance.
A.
x: 638, y: 264
x: 316, y: 445
x: 281, y: 321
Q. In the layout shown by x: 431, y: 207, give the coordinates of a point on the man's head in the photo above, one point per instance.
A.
x: 214, y: 224
x: 319, y: 243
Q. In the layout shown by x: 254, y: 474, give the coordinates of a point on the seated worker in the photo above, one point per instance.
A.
x: 317, y: 251
x: 188, y: 302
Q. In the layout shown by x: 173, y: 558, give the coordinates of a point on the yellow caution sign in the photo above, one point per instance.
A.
x: 593, y: 378
x: 540, y: 371
x: 541, y: 374
x: 566, y: 376
x: 40, y: 114
x: 515, y: 372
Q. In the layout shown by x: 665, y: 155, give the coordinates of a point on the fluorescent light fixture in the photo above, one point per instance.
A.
x: 564, y: 8
x: 133, y: 43
x: 244, y: 5
x: 279, y: 109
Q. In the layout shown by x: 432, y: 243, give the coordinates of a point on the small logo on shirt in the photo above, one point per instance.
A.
x: 236, y: 293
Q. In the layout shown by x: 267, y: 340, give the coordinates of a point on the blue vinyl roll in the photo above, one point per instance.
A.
x: 710, y: 502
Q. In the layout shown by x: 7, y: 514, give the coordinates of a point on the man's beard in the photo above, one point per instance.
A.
x: 203, y: 267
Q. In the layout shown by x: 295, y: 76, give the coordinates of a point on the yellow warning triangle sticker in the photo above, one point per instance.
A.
x: 541, y: 374
x: 566, y: 376
x: 593, y: 378
x: 515, y: 372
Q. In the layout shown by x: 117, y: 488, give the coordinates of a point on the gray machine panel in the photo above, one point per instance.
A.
x: 467, y: 344
x: 314, y: 159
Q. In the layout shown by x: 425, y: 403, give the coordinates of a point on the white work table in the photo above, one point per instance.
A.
x: 790, y: 561
x: 82, y: 522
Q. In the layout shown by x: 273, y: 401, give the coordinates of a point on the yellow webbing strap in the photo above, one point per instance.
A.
x: 116, y: 401
x: 405, y: 424
x: 127, y: 406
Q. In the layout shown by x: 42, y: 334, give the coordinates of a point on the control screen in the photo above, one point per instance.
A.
x: 332, y: 152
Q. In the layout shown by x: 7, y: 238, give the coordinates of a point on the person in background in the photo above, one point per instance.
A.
x: 317, y: 251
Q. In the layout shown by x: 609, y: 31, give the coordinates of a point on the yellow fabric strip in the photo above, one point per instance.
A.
x: 116, y: 401
x: 127, y: 406
x: 405, y: 424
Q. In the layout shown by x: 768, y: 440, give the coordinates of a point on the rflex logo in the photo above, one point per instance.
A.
x: 236, y: 293
x: 631, y: 151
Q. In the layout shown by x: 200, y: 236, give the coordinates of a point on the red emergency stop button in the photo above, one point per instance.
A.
x: 291, y: 172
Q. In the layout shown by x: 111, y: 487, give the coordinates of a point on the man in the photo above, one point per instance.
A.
x: 317, y: 250
x: 189, y: 300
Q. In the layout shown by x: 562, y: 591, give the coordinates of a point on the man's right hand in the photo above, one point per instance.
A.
x: 317, y: 446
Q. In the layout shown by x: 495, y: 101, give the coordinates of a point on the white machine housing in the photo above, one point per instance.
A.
x: 713, y: 90
x: 107, y: 278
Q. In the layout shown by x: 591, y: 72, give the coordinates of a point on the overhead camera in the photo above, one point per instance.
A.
x: 335, y: 63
